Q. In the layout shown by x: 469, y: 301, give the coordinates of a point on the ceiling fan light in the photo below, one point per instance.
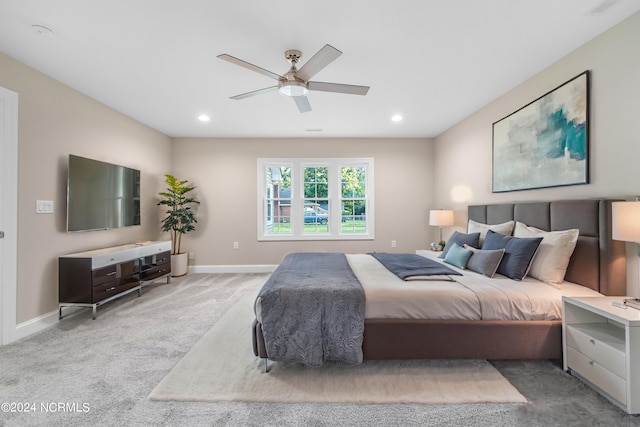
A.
x: 293, y: 89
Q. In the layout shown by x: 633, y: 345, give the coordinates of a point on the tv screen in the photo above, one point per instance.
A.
x: 101, y: 195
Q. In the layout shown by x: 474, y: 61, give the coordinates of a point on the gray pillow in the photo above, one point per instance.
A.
x: 518, y: 253
x: 484, y: 261
x: 471, y: 239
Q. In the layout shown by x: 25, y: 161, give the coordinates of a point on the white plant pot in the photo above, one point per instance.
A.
x: 179, y: 264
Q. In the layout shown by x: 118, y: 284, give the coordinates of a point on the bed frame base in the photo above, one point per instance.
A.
x: 387, y: 339
x: 461, y: 339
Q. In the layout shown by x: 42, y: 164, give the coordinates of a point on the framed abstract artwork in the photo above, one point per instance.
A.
x: 546, y: 142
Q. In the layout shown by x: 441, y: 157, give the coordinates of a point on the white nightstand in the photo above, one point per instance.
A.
x: 601, y: 345
x: 428, y: 253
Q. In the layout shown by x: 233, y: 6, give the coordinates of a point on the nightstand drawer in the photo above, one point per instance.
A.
x: 606, y: 380
x: 601, y: 342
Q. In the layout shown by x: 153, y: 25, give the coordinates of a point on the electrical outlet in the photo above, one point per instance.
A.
x: 236, y: 245
x: 393, y: 243
x: 192, y: 255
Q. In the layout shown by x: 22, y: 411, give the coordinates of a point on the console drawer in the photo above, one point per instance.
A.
x: 595, y: 373
x: 107, y: 290
x: 104, y: 274
x: 601, y: 342
x: 155, y: 272
x: 163, y: 258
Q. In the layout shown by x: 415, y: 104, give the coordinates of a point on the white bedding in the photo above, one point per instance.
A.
x: 471, y: 297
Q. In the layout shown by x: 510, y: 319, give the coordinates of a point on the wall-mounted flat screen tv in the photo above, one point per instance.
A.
x: 101, y: 196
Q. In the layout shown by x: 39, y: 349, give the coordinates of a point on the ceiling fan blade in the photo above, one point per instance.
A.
x: 255, y: 92
x: 339, y: 88
x: 303, y: 103
x: 321, y: 59
x: 249, y: 66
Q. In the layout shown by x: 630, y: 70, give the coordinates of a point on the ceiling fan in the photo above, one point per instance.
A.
x: 295, y: 83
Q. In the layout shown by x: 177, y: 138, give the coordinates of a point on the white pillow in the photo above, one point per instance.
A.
x: 477, y: 227
x: 550, y: 262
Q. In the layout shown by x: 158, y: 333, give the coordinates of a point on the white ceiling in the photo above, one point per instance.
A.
x: 432, y: 61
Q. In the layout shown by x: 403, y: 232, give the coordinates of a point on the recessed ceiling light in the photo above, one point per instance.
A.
x: 42, y: 30
x: 396, y: 118
x: 204, y: 118
x: 313, y: 130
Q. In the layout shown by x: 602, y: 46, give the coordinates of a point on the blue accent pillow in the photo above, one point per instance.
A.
x: 518, y: 253
x: 458, y: 256
x: 471, y: 239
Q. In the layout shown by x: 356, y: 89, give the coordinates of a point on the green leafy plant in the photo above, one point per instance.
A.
x: 180, y: 217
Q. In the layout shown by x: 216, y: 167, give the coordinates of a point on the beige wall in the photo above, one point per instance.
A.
x: 614, y: 142
x: 55, y: 121
x: 225, y: 172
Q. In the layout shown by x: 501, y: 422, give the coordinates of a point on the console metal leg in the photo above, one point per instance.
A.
x: 94, y: 307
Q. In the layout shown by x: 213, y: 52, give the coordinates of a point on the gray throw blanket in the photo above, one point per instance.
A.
x: 406, y: 266
x: 312, y: 310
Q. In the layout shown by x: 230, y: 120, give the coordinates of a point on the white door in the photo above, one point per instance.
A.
x: 8, y: 213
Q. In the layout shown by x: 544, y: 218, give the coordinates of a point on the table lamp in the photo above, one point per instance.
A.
x: 625, y: 221
x: 441, y: 218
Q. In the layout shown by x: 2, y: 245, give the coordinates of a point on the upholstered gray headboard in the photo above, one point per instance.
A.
x: 598, y: 262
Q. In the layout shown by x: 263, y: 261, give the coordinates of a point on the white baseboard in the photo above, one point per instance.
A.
x: 34, y: 325
x: 266, y: 268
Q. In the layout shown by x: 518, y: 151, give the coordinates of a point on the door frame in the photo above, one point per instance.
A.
x: 8, y: 213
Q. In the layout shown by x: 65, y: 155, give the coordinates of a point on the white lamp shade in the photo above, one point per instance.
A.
x: 626, y: 221
x: 442, y: 218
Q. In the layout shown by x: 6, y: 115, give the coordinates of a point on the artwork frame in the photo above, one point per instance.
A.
x: 546, y: 142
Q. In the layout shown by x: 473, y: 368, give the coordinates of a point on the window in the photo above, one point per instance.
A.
x: 278, y: 199
x: 315, y: 199
x: 315, y: 202
x: 354, y: 200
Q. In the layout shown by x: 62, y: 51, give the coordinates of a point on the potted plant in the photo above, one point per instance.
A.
x: 180, y: 220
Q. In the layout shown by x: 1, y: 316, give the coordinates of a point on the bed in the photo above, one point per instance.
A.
x: 598, y: 264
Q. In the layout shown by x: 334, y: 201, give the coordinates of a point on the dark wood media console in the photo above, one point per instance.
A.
x: 93, y: 278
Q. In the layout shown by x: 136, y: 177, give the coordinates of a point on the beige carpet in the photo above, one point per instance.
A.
x: 222, y: 367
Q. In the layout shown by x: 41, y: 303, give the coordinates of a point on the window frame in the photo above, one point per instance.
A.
x: 334, y: 197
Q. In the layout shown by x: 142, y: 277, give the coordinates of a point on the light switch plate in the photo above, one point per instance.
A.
x: 44, y: 206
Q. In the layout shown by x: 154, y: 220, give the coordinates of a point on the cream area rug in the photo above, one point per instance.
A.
x: 222, y: 367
